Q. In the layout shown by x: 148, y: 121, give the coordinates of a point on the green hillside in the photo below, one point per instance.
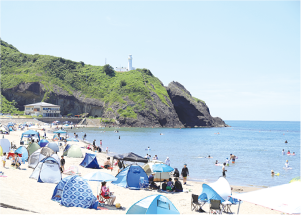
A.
x: 8, y: 107
x: 99, y: 82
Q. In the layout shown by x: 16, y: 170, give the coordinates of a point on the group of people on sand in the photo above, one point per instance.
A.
x: 16, y: 160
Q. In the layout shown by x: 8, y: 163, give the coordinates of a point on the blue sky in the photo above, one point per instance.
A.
x: 241, y: 58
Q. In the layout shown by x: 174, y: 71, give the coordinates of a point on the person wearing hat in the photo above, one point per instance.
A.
x: 185, y: 173
x: 167, y: 161
x: 286, y: 164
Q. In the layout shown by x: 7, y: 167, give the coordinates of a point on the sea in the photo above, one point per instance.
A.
x: 258, y: 146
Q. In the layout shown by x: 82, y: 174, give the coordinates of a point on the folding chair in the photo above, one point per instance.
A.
x: 195, y: 205
x: 103, y: 199
x: 215, y: 205
x: 143, y: 183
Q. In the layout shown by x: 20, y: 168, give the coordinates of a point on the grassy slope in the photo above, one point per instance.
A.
x: 8, y: 107
x: 92, y: 81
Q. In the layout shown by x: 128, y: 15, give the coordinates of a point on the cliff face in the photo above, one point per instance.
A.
x: 134, y: 98
x: 191, y: 111
x: 157, y: 114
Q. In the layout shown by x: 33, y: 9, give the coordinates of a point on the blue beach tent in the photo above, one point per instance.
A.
x: 67, y: 147
x: 29, y: 133
x: 74, y: 191
x: 43, y: 142
x: 47, y: 171
x: 53, y: 146
x: 22, y: 150
x: 90, y: 161
x: 130, y: 177
x: 154, y: 204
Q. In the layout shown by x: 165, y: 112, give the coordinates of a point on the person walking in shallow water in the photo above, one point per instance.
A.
x: 224, y: 170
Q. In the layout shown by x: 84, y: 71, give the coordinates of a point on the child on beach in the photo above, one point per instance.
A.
x: 227, y: 162
x: 4, y: 159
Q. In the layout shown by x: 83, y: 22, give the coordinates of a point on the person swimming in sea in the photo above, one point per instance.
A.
x: 283, y: 152
x: 272, y: 172
x: 216, y: 162
x: 287, y: 164
x: 209, y: 156
x: 227, y: 162
x: 286, y: 141
x: 288, y: 152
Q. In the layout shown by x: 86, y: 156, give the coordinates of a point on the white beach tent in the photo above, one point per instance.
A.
x: 284, y: 198
x: 148, y: 168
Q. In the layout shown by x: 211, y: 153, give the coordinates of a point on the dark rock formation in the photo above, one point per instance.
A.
x: 191, y: 111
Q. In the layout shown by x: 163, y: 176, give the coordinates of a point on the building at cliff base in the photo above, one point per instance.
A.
x: 42, y: 108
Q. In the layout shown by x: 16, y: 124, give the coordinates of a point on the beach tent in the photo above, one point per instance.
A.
x: 60, y: 132
x: 284, y: 198
x: 32, y: 148
x: 67, y: 147
x: 73, y: 151
x: 154, y: 204
x: 22, y: 150
x: 90, y: 161
x: 5, y: 144
x: 33, y: 159
x: 148, y: 168
x: 36, y: 157
x: 29, y: 133
x: 219, y: 190
x: 45, y: 152
x: 1, y: 151
x: 55, y: 137
x: 53, y: 146
x: 43, y: 142
x: 74, y: 191
x: 130, y: 177
x: 130, y: 157
x: 47, y: 171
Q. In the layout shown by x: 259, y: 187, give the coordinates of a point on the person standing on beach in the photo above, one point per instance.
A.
x: 224, y: 170
x: 107, y: 150
x: 94, y: 143
x: 62, y: 163
x: 185, y: 173
x: 4, y: 159
x: 85, y: 136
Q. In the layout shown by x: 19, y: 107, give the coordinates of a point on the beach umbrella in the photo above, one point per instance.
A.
x: 100, y: 177
x: 295, y: 179
x: 72, y: 139
x: 161, y: 167
x: 60, y: 132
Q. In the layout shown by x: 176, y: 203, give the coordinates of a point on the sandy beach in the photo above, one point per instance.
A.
x: 19, y: 191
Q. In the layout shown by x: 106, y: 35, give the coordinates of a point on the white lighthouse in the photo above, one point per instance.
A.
x: 130, y: 63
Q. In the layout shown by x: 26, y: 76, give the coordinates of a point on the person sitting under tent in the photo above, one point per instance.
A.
x: 164, y: 185
x: 178, y: 186
x: 152, y: 184
x: 106, y: 194
x: 107, y: 163
x: 176, y: 173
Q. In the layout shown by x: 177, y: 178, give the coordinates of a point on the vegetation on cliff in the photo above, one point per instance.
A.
x: 8, y: 107
x: 99, y: 82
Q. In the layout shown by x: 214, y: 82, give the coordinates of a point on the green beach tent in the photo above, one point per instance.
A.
x: 74, y: 152
x: 32, y: 148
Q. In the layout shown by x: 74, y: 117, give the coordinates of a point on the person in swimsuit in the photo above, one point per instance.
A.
x: 283, y: 152
x: 185, y: 173
x: 224, y: 170
x: 232, y: 157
